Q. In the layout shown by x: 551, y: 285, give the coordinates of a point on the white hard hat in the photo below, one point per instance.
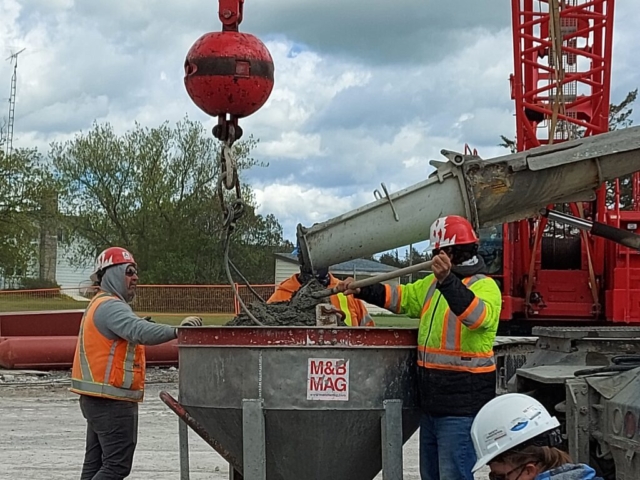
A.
x: 506, y: 422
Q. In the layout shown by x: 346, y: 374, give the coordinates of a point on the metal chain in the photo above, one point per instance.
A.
x: 233, y: 211
x: 230, y: 180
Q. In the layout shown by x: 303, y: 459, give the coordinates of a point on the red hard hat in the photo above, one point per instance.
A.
x: 452, y: 230
x: 110, y: 257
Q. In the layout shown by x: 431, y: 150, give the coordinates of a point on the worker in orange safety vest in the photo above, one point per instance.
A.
x: 109, y: 366
x: 356, y: 314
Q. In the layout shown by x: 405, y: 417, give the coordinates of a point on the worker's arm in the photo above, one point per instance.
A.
x: 364, y: 319
x: 477, y: 306
x: 280, y: 295
x: 115, y: 319
x: 284, y: 290
x: 403, y: 299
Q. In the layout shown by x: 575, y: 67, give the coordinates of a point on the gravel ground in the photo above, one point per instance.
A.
x: 43, y: 432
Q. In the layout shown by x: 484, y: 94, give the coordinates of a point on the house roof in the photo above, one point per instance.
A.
x: 359, y: 265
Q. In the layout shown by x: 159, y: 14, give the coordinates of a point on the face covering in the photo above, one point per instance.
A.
x: 114, y: 282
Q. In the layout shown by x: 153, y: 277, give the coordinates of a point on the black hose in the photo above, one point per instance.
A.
x: 246, y: 282
x: 233, y: 285
x: 618, y: 235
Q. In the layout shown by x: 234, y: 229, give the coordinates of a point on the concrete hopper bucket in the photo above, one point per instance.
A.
x: 291, y: 403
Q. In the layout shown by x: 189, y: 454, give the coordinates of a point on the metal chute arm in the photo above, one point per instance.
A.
x: 488, y: 192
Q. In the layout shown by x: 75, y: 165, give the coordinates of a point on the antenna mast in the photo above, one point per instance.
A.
x: 12, y: 102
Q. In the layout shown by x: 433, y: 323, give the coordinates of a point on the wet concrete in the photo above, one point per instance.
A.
x: 299, y: 311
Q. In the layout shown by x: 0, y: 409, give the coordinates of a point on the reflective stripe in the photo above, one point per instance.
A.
x: 451, y: 332
x: 474, y: 315
x: 471, y: 280
x: 427, y: 299
x: 344, y: 306
x: 393, y: 300
x: 112, y: 353
x: 446, y: 353
x: 456, y: 361
x: 84, y: 363
x: 128, y: 366
x: 101, y: 389
x: 367, y: 321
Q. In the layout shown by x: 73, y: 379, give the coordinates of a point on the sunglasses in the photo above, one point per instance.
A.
x: 130, y: 272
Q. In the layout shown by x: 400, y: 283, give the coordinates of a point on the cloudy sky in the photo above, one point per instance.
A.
x: 365, y: 91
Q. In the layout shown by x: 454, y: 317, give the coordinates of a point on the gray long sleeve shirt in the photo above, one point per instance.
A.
x: 115, y: 319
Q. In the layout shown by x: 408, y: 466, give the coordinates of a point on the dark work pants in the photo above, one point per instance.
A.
x: 112, y: 433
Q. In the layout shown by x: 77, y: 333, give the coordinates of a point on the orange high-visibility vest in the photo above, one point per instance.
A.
x: 356, y: 314
x: 103, y: 367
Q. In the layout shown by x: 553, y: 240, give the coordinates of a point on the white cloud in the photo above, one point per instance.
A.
x: 359, y: 97
x: 293, y: 204
x: 292, y: 145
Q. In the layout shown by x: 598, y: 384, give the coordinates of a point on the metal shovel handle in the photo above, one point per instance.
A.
x: 618, y: 235
x: 377, y: 278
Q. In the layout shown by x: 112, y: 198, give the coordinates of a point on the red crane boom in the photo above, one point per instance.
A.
x: 561, y: 87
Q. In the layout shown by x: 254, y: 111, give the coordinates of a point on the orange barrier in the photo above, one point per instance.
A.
x: 217, y: 299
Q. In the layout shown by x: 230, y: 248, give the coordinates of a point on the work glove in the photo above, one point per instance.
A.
x: 191, y: 322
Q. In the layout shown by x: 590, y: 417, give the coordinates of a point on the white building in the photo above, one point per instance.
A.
x: 69, y: 274
x: 60, y: 262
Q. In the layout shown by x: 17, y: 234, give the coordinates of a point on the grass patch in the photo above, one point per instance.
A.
x: 397, y: 321
x: 15, y: 302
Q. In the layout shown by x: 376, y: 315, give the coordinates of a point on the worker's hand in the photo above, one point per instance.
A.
x: 191, y: 322
x: 441, y: 266
x: 343, y: 286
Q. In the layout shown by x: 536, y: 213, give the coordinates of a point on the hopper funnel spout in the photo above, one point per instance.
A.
x: 487, y: 192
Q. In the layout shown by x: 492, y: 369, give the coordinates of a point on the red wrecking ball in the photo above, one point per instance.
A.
x: 229, y: 73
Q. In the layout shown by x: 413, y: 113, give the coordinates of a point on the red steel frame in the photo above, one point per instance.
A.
x: 587, y: 39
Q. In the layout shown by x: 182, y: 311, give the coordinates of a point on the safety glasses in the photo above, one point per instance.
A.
x: 131, y: 271
x: 505, y: 476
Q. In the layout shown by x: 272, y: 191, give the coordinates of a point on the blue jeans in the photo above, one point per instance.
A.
x: 446, y: 449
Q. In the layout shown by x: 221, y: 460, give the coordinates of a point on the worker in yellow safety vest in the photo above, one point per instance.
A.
x: 109, y: 366
x: 354, y: 310
x: 459, y: 309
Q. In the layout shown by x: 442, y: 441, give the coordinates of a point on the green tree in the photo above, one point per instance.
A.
x: 154, y: 191
x: 620, y: 117
x: 393, y: 259
x: 508, y: 143
x: 27, y: 206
